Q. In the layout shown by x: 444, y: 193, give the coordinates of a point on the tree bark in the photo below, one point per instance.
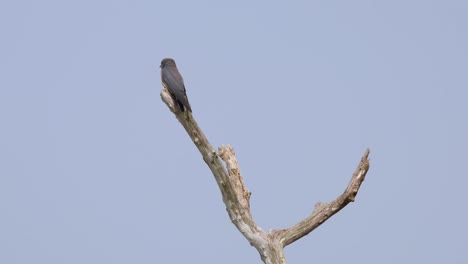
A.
x: 236, y: 196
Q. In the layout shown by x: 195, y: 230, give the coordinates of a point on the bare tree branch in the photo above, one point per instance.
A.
x: 236, y: 196
x: 324, y: 211
x: 230, y: 182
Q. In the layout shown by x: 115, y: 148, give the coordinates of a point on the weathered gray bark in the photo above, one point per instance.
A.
x: 236, y: 197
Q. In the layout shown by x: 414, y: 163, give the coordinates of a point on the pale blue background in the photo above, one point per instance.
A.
x: 95, y: 169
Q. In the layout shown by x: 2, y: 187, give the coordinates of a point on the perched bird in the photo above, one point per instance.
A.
x: 173, y: 82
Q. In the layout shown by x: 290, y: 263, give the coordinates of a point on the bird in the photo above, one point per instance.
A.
x: 173, y: 81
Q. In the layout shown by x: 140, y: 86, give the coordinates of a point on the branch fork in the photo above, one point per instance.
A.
x: 236, y: 196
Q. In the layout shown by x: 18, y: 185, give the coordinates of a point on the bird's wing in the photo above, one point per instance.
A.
x: 175, y: 83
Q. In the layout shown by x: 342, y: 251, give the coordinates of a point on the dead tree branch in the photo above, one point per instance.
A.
x: 236, y: 196
x: 323, y: 211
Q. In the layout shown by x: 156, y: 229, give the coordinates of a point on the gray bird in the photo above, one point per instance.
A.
x: 174, y: 82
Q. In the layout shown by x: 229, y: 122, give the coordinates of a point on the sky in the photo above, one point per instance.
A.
x: 94, y: 168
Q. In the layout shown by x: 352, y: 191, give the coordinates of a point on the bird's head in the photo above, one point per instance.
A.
x: 167, y: 61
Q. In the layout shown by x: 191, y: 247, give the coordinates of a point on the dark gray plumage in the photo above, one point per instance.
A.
x: 174, y: 82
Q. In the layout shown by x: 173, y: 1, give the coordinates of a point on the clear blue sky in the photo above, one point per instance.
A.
x: 95, y: 169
